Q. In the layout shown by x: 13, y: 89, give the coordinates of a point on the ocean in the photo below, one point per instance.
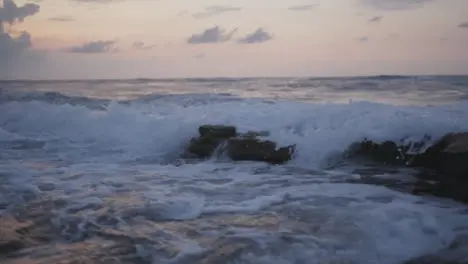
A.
x: 95, y: 169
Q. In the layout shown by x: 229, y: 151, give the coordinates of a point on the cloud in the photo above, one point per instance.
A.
x: 463, y: 25
x: 211, y: 35
x: 12, y: 48
x: 216, y: 10
x: 99, y: 46
x: 392, y: 36
x: 200, y: 56
x: 302, y: 7
x: 391, y: 5
x: 363, y: 39
x: 140, y: 45
x: 11, y: 13
x: 375, y: 19
x: 258, y: 36
x: 61, y: 19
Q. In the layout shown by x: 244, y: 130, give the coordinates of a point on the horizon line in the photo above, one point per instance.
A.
x: 390, y: 76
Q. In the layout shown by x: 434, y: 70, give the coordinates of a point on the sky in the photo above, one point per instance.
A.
x: 101, y: 39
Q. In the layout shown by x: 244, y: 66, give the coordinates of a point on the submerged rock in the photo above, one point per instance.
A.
x: 11, y: 235
x: 456, y: 253
x: 238, y: 146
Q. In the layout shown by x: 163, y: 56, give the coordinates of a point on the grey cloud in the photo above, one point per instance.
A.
x: 463, y: 25
x: 363, y: 39
x: 211, y: 35
x: 375, y: 19
x: 11, y: 13
x: 12, y: 48
x: 390, y: 5
x: 392, y: 36
x: 302, y: 7
x: 182, y: 13
x: 11, y: 52
x: 199, y: 56
x: 216, y: 10
x: 140, y: 45
x: 257, y: 36
x: 62, y: 19
x: 93, y: 47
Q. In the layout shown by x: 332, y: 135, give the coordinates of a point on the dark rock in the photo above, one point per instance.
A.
x: 211, y: 136
x: 204, y: 147
x: 243, y: 149
x: 217, y: 131
x: 388, y: 152
x: 448, y: 157
x: 11, y: 237
x: 239, y: 146
x: 255, y: 134
x: 445, y: 163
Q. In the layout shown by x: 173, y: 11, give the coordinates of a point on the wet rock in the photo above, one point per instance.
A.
x: 387, y: 152
x: 448, y: 157
x: 211, y: 136
x: 217, y: 131
x: 96, y: 251
x: 11, y: 235
x: 204, y: 147
x: 445, y: 162
x: 255, y: 134
x: 243, y: 149
x: 224, y: 253
x: 239, y: 147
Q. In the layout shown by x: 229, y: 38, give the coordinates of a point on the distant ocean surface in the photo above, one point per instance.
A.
x: 106, y: 154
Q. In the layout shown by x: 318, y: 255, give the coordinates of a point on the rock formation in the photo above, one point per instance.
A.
x: 445, y: 162
x: 239, y: 147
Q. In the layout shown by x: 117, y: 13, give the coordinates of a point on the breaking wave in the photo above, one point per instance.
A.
x: 160, y: 125
x: 97, y: 178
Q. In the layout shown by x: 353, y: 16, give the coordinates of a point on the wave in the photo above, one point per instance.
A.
x: 53, y: 98
x: 159, y: 126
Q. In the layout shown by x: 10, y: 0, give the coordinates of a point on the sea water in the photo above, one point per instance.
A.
x: 110, y: 152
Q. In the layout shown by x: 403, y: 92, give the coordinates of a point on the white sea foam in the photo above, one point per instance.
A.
x: 159, y: 129
x: 93, y: 153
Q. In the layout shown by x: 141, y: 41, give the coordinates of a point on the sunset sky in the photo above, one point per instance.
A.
x: 76, y: 39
